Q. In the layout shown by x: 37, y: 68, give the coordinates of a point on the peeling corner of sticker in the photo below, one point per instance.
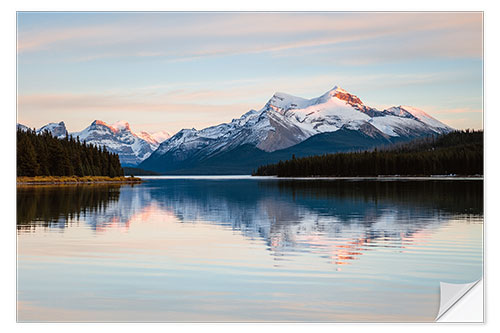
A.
x: 450, y: 294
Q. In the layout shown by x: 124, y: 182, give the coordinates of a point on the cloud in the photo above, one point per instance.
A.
x: 101, y: 102
x: 78, y: 110
x: 125, y: 65
x: 184, y: 37
x: 206, y: 103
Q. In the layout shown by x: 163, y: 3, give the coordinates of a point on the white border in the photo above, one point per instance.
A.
x: 7, y: 132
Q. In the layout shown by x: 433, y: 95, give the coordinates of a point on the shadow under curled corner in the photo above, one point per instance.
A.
x: 451, y: 295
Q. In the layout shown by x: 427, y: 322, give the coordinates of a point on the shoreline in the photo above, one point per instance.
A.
x: 74, y: 180
x: 380, y: 178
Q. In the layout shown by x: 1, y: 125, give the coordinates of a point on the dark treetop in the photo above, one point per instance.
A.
x: 44, y: 155
x: 459, y: 153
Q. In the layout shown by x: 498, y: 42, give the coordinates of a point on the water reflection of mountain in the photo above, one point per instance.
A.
x: 291, y: 215
x: 337, y: 219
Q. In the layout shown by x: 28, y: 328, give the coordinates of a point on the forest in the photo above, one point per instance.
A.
x: 45, y: 155
x: 456, y: 153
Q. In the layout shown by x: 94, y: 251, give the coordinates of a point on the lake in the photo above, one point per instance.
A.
x: 246, y: 249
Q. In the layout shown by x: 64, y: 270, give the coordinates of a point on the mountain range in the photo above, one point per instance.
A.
x: 289, y: 126
x: 132, y: 148
x: 286, y: 126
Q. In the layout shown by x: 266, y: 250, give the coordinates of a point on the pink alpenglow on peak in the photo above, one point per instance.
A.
x: 132, y: 148
x: 161, y: 136
x: 99, y: 122
x: 287, y: 120
x: 345, y: 96
x: 121, y: 125
x: 154, y: 138
x: 146, y: 137
x: 339, y: 89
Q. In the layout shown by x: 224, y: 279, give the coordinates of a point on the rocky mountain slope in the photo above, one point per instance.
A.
x: 118, y: 138
x: 282, y: 126
x: 132, y: 148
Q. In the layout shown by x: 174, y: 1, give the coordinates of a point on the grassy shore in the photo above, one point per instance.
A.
x: 75, y: 180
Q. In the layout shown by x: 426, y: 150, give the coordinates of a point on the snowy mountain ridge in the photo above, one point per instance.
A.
x: 286, y: 120
x: 56, y: 129
x: 118, y: 138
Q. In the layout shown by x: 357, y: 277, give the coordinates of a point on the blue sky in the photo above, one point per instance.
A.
x: 168, y: 71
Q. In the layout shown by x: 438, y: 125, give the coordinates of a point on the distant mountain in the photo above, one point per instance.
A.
x: 57, y: 130
x: 287, y: 125
x: 22, y: 127
x: 132, y: 148
x: 160, y: 136
x: 118, y: 138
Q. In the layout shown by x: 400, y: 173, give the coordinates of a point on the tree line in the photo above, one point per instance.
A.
x: 45, y: 155
x: 458, y: 152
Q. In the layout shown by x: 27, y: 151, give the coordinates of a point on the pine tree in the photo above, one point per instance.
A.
x: 27, y: 164
x: 457, y: 152
x: 43, y: 154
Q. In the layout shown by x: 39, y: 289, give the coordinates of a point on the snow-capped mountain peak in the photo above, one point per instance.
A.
x: 282, y: 102
x: 56, y: 129
x: 287, y: 120
x: 339, y: 89
x: 155, y: 138
x: 22, y: 127
x: 419, y: 114
x: 340, y: 94
x: 99, y: 122
x: 121, y: 125
x: 161, y: 136
x: 119, y: 138
x: 147, y: 137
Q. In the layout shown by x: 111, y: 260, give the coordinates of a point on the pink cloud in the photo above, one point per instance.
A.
x: 257, y: 32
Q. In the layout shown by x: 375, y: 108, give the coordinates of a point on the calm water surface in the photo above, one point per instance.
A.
x: 245, y: 249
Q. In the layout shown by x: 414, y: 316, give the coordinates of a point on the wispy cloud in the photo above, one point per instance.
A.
x: 198, y: 69
x: 212, y: 35
x: 197, y: 104
x: 34, y: 110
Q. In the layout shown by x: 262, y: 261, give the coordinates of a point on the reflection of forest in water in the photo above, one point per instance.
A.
x: 454, y: 197
x: 310, y: 215
x: 46, y: 205
x: 246, y: 203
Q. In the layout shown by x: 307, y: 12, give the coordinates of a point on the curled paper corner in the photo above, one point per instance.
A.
x: 451, y: 293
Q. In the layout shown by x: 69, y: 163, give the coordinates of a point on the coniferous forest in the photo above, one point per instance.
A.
x: 45, y: 155
x: 457, y: 153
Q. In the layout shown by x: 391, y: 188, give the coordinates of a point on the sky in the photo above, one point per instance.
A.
x: 173, y: 70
